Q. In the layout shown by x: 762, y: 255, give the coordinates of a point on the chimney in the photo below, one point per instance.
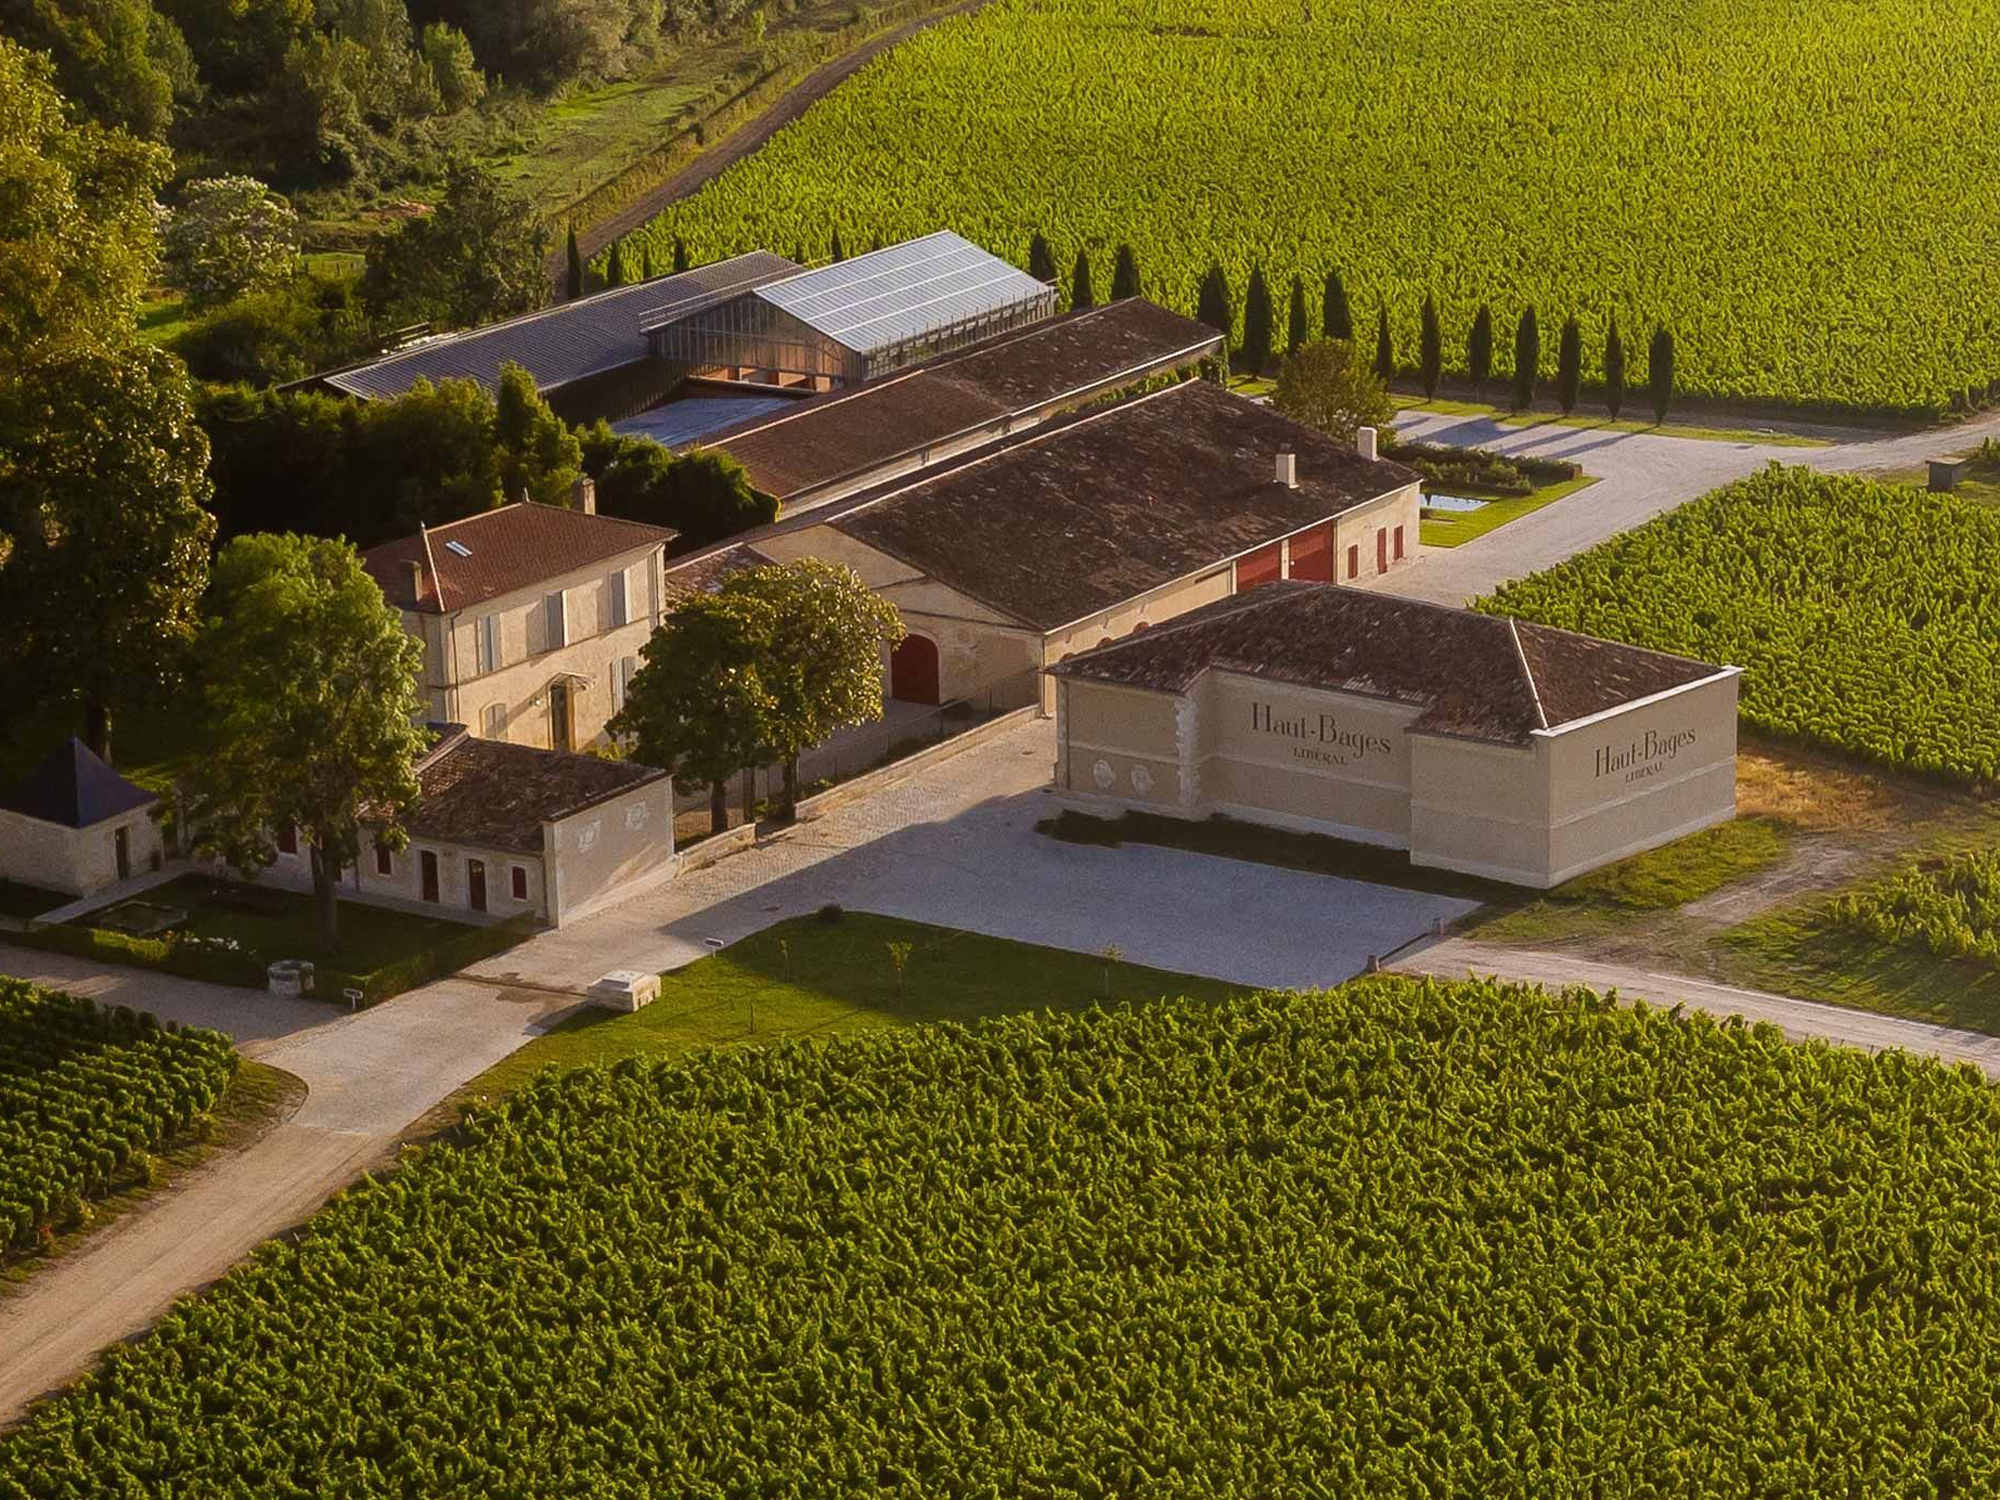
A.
x: 416, y: 580
x: 1288, y: 470
x: 1364, y: 443
x: 583, y: 495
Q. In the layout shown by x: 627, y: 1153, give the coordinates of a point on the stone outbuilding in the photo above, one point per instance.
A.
x: 77, y: 826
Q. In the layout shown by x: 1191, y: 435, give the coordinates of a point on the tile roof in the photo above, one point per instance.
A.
x: 75, y: 789
x: 894, y: 294
x: 496, y: 795
x: 846, y: 433
x: 1070, y: 519
x: 513, y: 547
x: 1474, y: 676
x: 708, y: 571
x: 563, y: 343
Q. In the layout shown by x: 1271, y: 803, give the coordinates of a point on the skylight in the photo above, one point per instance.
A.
x: 459, y: 547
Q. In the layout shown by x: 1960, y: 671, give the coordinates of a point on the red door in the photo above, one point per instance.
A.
x: 1312, y: 555
x: 913, y: 670
x: 1263, y: 566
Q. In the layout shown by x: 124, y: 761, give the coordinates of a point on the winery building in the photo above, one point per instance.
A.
x: 1479, y: 744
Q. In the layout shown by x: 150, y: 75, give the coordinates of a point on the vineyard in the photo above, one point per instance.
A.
x: 1864, y: 615
x: 1947, y: 907
x: 81, y: 1090
x: 1406, y: 1238
x: 1805, y: 191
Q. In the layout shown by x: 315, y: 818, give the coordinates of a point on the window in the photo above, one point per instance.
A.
x: 1353, y: 562
x: 495, y: 719
x: 558, y: 620
x: 385, y: 862
x: 621, y: 613
x: 488, y: 633
x: 621, y: 679
x: 1399, y: 543
x: 288, y: 839
x: 1381, y: 551
x: 520, y: 883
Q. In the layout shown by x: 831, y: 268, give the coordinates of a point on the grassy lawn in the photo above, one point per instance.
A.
x: 1660, y: 880
x: 147, y: 747
x: 1788, y: 953
x: 812, y: 978
x: 1456, y: 530
x: 1441, y: 406
x: 1253, y: 386
x: 1316, y: 853
x: 255, y: 1098
x: 164, y: 318
x: 370, y: 936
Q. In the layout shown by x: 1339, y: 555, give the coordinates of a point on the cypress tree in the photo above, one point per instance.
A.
x: 1337, y: 320
x: 839, y: 251
x: 573, y: 276
x: 1614, y: 370
x: 1527, y: 359
x: 614, y: 265
x: 1259, y: 322
x: 1479, y: 348
x: 646, y: 261
x: 1081, y: 294
x: 1660, y: 373
x: 1296, y: 332
x: 1430, y: 349
x: 1385, y: 351
x: 1569, y: 365
x: 1215, y: 306
x: 1125, y: 275
x: 680, y: 255
x: 1041, y: 260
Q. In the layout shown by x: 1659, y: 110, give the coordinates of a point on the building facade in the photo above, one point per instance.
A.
x: 1480, y: 745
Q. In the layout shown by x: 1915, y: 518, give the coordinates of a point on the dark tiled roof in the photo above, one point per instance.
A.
x: 496, y: 795
x: 1067, y: 521
x: 846, y: 434
x: 563, y: 343
x: 513, y: 547
x: 706, y: 573
x: 1465, y: 671
x: 74, y: 788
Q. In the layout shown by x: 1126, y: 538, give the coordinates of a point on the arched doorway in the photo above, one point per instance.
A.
x: 913, y: 670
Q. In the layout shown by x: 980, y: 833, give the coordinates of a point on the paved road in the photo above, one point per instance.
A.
x: 955, y: 845
x: 1455, y: 958
x: 1639, y: 476
x: 367, y: 1076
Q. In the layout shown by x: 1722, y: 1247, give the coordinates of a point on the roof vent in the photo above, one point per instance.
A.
x: 459, y: 548
x: 1364, y: 442
x: 1288, y: 470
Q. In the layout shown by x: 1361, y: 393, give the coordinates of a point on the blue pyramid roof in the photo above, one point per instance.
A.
x: 74, y: 788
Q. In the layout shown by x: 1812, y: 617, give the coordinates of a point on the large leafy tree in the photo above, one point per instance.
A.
x: 1324, y: 387
x: 824, y: 635
x: 698, y: 703
x: 539, y: 455
x: 228, y: 235
x: 479, y: 256
x: 703, y: 494
x: 119, y: 61
x: 309, y: 709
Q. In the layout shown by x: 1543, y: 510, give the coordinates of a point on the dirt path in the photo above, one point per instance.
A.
x: 1455, y: 958
x: 749, y: 139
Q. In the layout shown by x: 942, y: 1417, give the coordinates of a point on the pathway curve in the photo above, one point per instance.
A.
x: 1456, y: 958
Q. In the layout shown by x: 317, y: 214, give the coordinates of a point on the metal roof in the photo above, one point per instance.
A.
x: 696, y: 417
x: 881, y: 299
x: 567, y: 342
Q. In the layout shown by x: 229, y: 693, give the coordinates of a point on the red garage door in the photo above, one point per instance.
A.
x: 1312, y: 555
x: 1259, y: 567
x: 913, y: 670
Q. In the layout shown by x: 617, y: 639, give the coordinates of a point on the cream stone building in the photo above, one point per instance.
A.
x: 531, y: 616
x: 1479, y: 744
x: 1004, y: 560
x: 77, y: 826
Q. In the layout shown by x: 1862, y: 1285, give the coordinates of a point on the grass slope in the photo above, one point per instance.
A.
x: 1405, y: 1238
x: 1713, y: 165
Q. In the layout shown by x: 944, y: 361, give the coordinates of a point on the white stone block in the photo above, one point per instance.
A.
x: 625, y: 989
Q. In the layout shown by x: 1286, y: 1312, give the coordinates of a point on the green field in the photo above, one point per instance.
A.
x: 81, y: 1090
x: 1402, y: 1239
x: 1720, y: 166
x: 1864, y: 615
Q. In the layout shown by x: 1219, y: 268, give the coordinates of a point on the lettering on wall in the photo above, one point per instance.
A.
x: 1644, y: 757
x: 1320, y: 737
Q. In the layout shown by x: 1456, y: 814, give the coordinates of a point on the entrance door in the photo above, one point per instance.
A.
x: 475, y: 884
x: 913, y: 670
x: 121, y: 845
x: 429, y: 863
x: 559, y: 725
